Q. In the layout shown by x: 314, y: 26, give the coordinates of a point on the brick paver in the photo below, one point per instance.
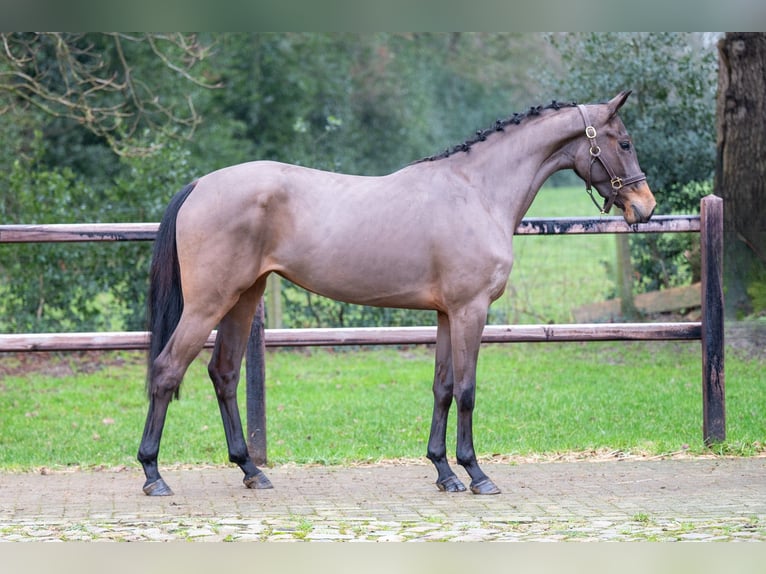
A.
x: 688, y: 499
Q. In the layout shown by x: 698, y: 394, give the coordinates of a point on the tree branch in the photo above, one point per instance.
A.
x: 69, y: 76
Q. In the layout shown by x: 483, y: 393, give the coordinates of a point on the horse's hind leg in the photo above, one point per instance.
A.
x: 224, y: 369
x: 443, y: 385
x: 165, y: 377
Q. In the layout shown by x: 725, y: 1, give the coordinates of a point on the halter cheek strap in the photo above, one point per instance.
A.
x: 595, y: 154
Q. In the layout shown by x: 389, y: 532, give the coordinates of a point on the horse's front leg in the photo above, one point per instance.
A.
x: 466, y: 329
x: 443, y: 386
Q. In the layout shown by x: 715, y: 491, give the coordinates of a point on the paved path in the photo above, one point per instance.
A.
x: 688, y: 499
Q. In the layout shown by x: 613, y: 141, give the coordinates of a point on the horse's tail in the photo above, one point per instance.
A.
x: 165, y: 301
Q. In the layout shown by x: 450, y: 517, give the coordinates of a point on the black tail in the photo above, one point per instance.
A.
x: 165, y: 302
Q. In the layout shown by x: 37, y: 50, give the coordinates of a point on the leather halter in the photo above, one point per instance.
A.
x: 595, y: 154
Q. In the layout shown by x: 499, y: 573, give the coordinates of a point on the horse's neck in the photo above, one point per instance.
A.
x: 514, y: 165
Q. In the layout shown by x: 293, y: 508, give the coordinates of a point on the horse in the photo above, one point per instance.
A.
x: 436, y: 234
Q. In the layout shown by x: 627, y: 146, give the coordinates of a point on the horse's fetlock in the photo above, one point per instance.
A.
x: 147, y: 457
x: 239, y: 457
x: 436, y: 456
x: 466, y: 461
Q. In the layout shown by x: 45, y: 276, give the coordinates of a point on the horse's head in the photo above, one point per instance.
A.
x: 607, y: 161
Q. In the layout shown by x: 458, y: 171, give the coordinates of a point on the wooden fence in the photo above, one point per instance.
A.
x: 709, y: 330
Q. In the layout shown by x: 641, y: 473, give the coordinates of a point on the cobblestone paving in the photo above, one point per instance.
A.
x: 663, y: 500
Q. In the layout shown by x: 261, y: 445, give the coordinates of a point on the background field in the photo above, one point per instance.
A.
x: 328, y: 406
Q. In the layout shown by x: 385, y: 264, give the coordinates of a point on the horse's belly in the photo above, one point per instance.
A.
x: 389, y: 285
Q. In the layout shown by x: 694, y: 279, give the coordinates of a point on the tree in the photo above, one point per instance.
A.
x: 741, y: 169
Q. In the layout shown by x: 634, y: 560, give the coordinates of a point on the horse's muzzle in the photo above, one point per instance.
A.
x: 639, y: 205
x: 639, y: 216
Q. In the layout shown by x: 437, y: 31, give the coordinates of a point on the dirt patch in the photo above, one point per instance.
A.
x: 58, y: 364
x: 747, y: 338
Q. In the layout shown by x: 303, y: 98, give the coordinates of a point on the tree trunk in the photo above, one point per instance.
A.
x: 740, y: 177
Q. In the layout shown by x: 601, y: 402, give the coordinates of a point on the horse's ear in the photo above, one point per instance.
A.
x: 616, y: 102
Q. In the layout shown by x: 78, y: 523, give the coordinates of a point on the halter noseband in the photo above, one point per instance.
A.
x: 595, y: 154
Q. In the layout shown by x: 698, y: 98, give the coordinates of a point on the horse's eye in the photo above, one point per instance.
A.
x: 625, y: 145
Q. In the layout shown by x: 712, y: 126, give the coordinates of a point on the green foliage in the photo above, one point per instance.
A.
x: 36, y: 286
x: 359, y: 103
x: 90, y: 286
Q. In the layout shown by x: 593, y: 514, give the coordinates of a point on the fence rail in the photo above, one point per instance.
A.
x: 86, y: 232
x: 709, y: 330
x: 137, y: 340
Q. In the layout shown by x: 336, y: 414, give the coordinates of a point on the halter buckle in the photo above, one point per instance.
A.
x: 616, y: 183
x: 590, y: 132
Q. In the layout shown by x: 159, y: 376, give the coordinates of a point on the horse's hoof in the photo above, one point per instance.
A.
x: 258, y: 480
x: 450, y: 484
x: 157, y: 488
x: 484, y: 486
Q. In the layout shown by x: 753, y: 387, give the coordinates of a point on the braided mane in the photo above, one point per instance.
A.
x: 498, y: 126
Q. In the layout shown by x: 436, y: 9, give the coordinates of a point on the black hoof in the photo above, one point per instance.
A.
x: 258, y: 480
x: 157, y: 488
x: 450, y: 484
x: 484, y: 486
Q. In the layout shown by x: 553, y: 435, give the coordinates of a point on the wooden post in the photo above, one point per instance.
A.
x: 255, y: 374
x: 713, y: 389
x: 625, y: 279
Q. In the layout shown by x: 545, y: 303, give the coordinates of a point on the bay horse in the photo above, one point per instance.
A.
x: 436, y: 234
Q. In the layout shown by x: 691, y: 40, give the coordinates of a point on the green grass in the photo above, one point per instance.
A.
x: 340, y: 407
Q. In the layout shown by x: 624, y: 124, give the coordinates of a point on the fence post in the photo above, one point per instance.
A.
x: 711, y: 252
x: 255, y: 375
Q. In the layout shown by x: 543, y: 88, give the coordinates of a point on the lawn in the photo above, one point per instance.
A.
x: 350, y: 406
